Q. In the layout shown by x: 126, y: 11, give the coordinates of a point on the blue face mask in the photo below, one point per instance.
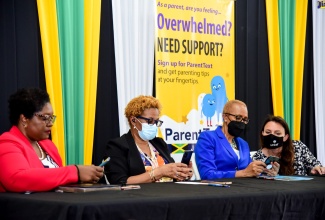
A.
x: 148, y: 132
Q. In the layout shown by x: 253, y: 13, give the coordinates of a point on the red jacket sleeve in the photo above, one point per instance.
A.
x: 21, y: 169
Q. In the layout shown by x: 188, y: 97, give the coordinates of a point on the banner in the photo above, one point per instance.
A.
x: 194, y: 50
x: 318, y: 8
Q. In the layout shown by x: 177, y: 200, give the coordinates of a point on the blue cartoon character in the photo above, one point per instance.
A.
x: 219, y: 93
x: 208, y: 108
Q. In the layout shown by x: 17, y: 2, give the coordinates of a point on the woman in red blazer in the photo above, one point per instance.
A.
x: 29, y: 161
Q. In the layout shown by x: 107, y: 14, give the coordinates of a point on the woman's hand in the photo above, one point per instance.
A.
x: 255, y: 168
x: 191, y: 171
x: 274, y: 170
x: 318, y: 170
x: 90, y: 174
x: 178, y: 171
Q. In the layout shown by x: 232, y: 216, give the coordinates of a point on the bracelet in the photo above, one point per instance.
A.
x: 79, y: 181
x: 152, y: 175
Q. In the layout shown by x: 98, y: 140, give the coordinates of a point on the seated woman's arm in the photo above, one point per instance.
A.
x: 207, y: 160
x: 119, y: 167
x: 17, y: 174
x: 176, y: 171
x: 214, y: 161
x: 310, y: 161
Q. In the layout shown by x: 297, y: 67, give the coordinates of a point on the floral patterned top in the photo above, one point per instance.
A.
x: 304, y: 160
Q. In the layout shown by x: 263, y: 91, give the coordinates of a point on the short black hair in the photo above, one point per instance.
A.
x: 26, y: 101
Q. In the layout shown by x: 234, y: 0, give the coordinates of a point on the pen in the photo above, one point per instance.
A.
x: 104, y: 162
x: 208, y: 181
x: 218, y: 185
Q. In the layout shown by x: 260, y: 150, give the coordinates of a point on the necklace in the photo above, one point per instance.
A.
x: 233, y: 144
x: 153, y: 159
x: 40, y: 149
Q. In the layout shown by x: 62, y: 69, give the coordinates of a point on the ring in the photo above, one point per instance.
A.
x: 176, y: 174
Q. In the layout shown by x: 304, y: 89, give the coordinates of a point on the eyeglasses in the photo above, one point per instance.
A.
x: 151, y: 121
x: 47, y: 118
x: 239, y: 118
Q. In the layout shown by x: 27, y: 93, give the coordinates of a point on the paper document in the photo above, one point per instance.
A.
x: 284, y: 178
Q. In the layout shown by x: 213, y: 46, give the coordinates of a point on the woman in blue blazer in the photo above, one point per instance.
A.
x: 222, y: 153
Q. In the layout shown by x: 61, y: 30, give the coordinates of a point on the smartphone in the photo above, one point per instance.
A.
x: 271, y: 159
x: 187, y: 156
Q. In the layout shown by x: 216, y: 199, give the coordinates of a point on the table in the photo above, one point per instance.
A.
x: 247, y: 198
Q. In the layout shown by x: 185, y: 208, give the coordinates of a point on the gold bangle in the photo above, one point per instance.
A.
x: 152, y: 175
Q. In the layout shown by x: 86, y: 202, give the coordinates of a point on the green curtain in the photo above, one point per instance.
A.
x: 71, y: 38
x: 286, y: 23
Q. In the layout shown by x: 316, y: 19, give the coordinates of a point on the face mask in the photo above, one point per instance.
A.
x: 271, y: 141
x: 148, y: 132
x: 235, y: 128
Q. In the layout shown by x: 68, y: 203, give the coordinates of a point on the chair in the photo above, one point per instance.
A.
x: 252, y: 153
x: 196, y: 175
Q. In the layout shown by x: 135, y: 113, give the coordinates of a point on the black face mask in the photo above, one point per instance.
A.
x: 272, y: 142
x: 235, y: 128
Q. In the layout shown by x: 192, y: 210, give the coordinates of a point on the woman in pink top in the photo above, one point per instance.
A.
x: 29, y: 160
